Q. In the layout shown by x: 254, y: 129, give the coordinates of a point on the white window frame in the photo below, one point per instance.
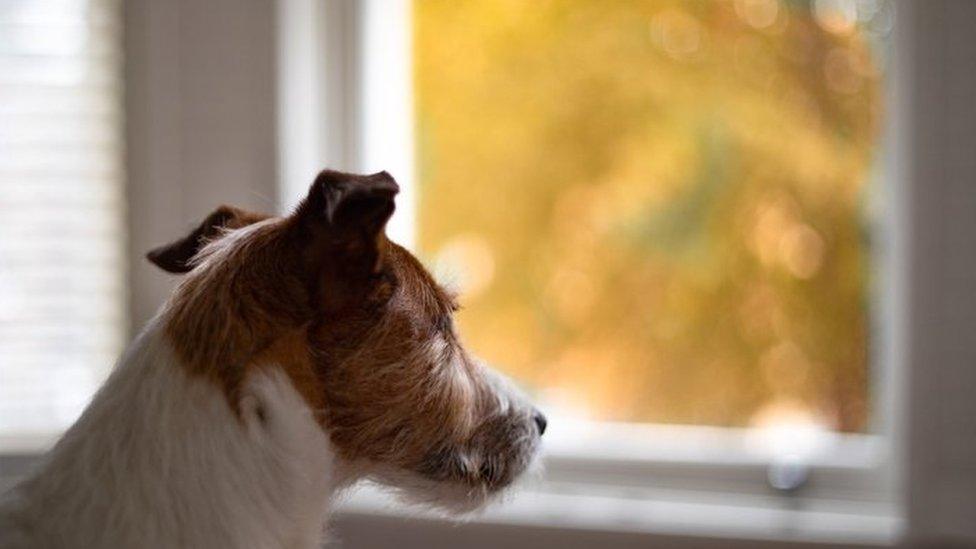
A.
x: 341, y: 108
x: 362, y: 93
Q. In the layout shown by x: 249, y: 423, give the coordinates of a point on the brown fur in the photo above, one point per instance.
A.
x: 360, y: 327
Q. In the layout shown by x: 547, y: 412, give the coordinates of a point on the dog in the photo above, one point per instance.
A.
x: 297, y: 356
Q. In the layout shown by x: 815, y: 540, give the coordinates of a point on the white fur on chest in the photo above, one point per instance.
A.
x: 158, y: 459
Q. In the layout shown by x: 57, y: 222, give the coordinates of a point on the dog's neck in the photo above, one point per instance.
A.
x: 159, y: 459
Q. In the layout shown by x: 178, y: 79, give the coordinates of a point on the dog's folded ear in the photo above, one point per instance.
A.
x: 342, y: 221
x: 176, y: 256
x: 351, y: 206
x: 348, y: 212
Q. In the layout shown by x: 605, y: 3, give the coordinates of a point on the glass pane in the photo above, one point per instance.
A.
x: 655, y: 210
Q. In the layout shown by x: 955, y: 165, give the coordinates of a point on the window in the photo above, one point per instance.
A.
x: 61, y: 208
x: 658, y: 211
x: 611, y: 187
x: 608, y: 185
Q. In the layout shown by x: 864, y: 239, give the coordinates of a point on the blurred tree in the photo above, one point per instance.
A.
x: 654, y: 209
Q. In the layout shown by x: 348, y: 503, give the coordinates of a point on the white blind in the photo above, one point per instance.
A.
x: 62, y: 316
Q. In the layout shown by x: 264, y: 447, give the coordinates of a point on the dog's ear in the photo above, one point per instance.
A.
x: 342, y: 221
x: 176, y: 256
x: 348, y: 212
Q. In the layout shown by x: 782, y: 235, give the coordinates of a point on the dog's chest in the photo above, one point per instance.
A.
x: 159, y: 459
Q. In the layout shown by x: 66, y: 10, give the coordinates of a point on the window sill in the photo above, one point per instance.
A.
x: 661, y: 482
x: 647, y: 515
x: 717, y: 459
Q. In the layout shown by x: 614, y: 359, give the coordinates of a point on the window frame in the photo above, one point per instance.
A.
x: 359, y: 52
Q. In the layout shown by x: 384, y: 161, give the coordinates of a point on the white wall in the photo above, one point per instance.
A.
x: 937, y: 152
x: 201, y: 123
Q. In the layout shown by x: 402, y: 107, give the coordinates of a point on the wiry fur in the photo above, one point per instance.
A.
x: 298, y: 355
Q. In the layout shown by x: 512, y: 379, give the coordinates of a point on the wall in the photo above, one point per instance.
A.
x: 937, y: 152
x: 201, y: 123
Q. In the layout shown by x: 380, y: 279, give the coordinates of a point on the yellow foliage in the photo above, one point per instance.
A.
x: 658, y: 206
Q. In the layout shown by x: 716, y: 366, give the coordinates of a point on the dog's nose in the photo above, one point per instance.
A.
x: 540, y: 422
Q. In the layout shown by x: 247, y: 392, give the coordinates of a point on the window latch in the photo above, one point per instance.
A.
x: 788, y: 473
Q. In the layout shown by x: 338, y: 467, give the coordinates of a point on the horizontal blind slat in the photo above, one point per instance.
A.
x: 62, y: 283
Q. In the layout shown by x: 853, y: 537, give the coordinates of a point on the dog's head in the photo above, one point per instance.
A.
x: 364, y: 332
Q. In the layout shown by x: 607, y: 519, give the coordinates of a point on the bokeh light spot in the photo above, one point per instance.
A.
x: 468, y: 262
x: 757, y: 13
x: 801, y: 249
x: 836, y: 16
x: 677, y: 33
